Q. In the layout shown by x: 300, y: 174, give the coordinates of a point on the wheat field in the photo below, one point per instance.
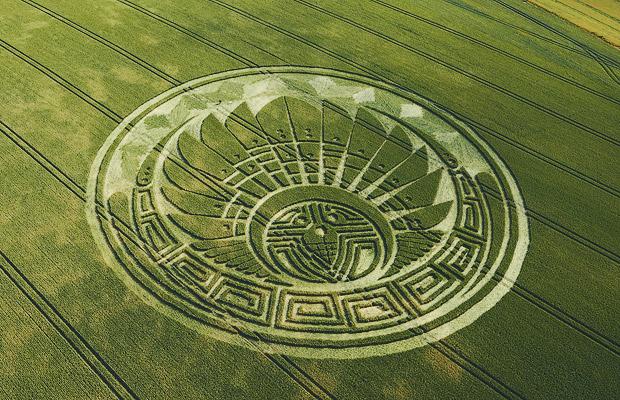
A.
x: 298, y: 199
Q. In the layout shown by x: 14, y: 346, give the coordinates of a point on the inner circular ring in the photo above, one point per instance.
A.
x: 370, y: 220
x: 321, y: 241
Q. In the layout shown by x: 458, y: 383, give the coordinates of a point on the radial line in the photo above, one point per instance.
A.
x: 322, y: 148
x: 343, y: 159
x: 386, y: 196
x: 359, y: 176
x: 375, y: 185
x: 302, y: 168
x: 276, y: 157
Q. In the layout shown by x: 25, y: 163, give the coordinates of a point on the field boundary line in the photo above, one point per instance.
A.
x: 461, y: 71
x: 597, y: 11
x: 599, y: 57
x: 603, y: 61
x: 497, y: 50
x: 85, y: 351
x: 525, y: 148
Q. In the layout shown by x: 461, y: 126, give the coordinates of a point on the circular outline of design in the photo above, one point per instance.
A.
x: 510, y: 193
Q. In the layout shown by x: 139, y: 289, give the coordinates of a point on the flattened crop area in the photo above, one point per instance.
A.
x: 307, y: 199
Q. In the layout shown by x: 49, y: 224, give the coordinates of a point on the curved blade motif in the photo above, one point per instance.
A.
x: 218, y: 174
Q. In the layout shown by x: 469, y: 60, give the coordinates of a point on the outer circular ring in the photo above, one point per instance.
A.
x: 510, y: 193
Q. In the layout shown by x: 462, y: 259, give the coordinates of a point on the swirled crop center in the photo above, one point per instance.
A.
x: 328, y: 214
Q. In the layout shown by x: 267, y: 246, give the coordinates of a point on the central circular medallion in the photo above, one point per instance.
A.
x: 307, y: 211
x: 321, y: 234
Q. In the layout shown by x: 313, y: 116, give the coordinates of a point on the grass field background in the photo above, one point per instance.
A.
x: 542, y: 92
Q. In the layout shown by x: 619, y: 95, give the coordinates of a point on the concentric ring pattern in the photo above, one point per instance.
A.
x: 307, y: 211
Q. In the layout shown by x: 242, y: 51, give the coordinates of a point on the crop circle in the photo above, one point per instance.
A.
x: 308, y: 212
